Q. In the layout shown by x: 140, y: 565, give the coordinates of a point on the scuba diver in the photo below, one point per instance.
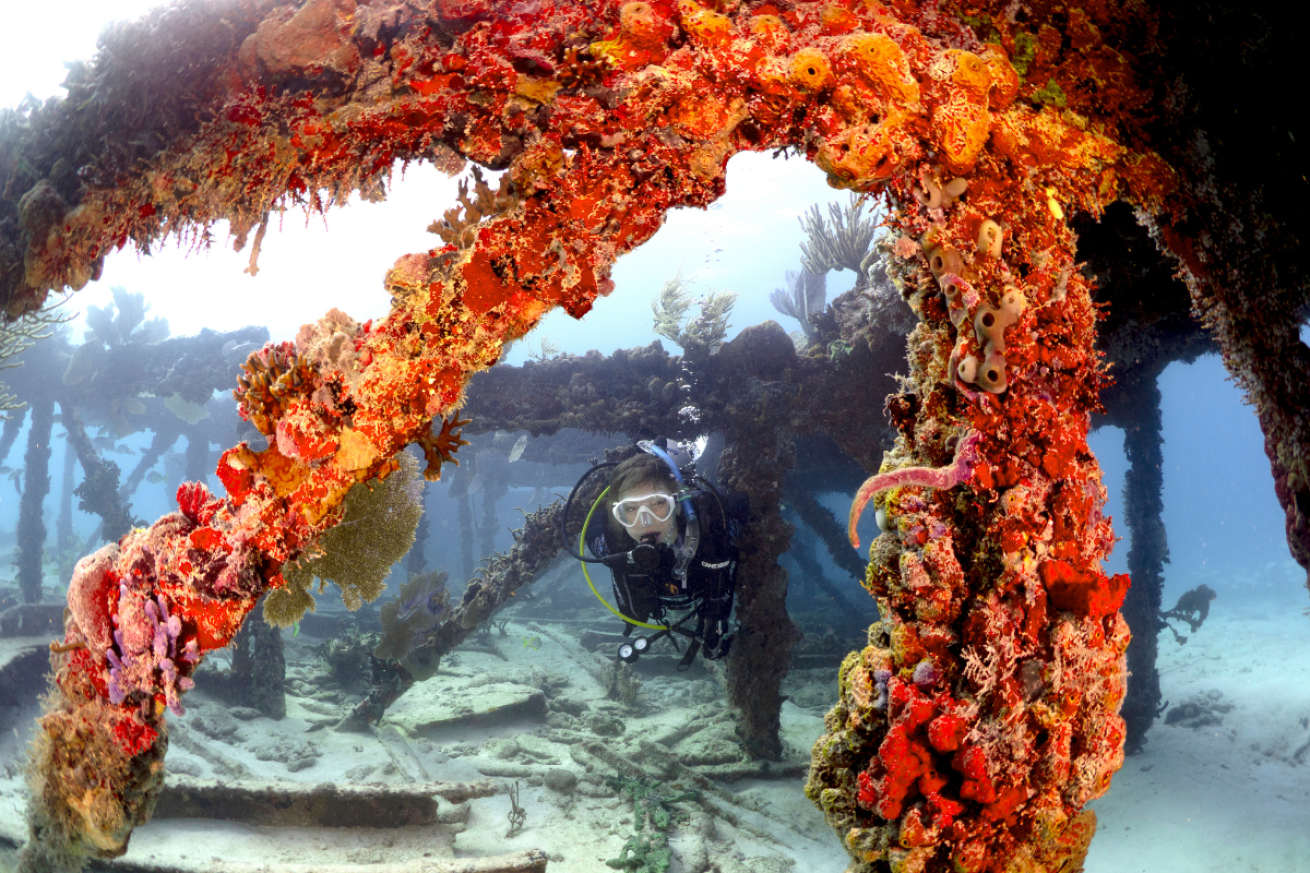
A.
x: 667, y: 536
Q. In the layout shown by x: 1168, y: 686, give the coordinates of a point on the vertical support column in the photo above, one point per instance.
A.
x: 197, y: 455
x: 415, y: 561
x: 36, y: 485
x: 13, y: 424
x: 99, y: 488
x: 64, y: 537
x: 64, y: 527
x: 755, y: 464
x: 459, y: 490
x: 493, y: 467
x: 812, y: 572
x: 1147, y: 554
x: 259, y: 666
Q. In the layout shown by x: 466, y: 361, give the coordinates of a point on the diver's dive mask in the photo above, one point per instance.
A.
x: 645, y: 509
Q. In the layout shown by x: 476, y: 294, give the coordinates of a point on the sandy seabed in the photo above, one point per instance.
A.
x: 1227, y: 789
x: 1231, y: 795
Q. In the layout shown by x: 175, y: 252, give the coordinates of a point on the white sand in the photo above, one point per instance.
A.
x: 1228, y: 797
x: 416, y: 742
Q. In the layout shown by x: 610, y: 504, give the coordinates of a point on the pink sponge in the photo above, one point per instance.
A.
x: 91, y: 595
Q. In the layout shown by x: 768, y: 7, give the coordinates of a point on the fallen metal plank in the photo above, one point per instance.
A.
x: 289, y: 804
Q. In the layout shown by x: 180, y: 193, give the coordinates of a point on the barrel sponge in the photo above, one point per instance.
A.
x: 809, y: 69
x: 642, y: 27
x: 968, y: 75
x: 882, y: 62
x: 771, y: 33
x: 705, y: 26
x: 1005, y: 80
x: 961, y: 118
x: 860, y: 155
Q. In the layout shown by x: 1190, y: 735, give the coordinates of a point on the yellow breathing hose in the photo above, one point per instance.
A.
x: 582, y: 544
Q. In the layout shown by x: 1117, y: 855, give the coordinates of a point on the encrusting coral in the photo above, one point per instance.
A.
x: 983, y: 758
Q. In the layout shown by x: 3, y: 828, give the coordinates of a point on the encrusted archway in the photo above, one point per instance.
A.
x: 984, y: 715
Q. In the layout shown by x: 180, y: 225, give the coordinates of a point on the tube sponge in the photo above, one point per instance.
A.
x: 990, y: 322
x: 990, y: 239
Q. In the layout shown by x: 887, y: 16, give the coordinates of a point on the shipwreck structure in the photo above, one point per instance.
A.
x: 984, y: 713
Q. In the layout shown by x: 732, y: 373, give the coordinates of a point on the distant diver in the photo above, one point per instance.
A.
x: 670, y: 547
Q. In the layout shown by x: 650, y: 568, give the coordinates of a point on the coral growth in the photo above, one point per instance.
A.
x: 806, y: 295
x: 959, y: 470
x: 459, y: 226
x: 844, y: 245
x: 408, y: 620
x: 440, y: 448
x: 996, y: 581
x: 700, y: 334
x: 378, y: 519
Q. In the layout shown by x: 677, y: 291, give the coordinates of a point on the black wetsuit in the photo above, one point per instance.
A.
x: 711, y: 576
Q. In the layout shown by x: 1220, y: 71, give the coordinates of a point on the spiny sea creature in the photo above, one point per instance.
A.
x: 966, y: 458
x: 440, y: 447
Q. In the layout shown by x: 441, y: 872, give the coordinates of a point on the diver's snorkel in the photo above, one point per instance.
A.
x: 691, y: 538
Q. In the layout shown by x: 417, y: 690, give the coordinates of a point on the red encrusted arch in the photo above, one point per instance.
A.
x: 984, y: 716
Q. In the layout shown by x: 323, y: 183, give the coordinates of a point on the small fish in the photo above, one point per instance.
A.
x: 532, y: 642
x: 154, y: 477
x: 102, y: 442
x: 124, y: 450
x: 517, y: 452
x: 234, y: 352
